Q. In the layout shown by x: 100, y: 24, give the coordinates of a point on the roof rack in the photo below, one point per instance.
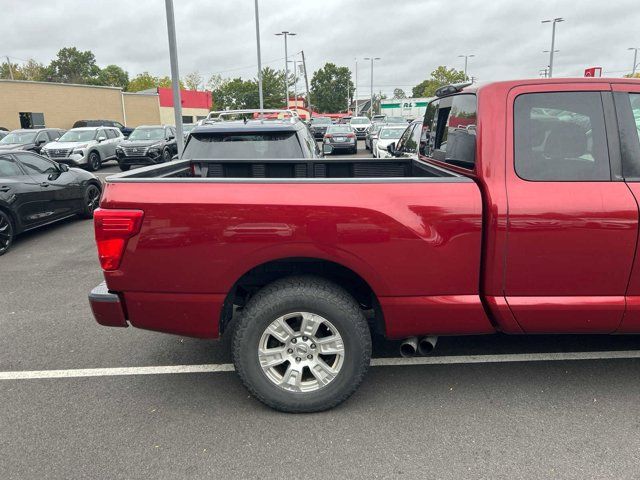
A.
x: 451, y: 89
x: 219, y: 115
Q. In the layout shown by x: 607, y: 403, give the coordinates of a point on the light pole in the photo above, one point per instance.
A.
x: 372, y: 59
x: 355, y: 94
x: 553, y: 41
x: 286, y: 34
x: 466, y: 60
x: 175, y: 74
x: 635, y: 59
x: 259, y: 58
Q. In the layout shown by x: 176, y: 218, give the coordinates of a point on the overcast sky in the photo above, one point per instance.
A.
x: 412, y: 37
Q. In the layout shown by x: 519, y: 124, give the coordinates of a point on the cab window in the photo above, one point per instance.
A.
x: 628, y: 111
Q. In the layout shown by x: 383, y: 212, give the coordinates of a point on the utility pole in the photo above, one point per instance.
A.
x: 553, y: 41
x: 10, y: 68
x: 286, y: 34
x: 372, y: 60
x: 175, y: 75
x: 355, y: 94
x: 633, y: 70
x: 259, y: 58
x: 306, y: 82
x: 466, y: 60
x: 544, y: 72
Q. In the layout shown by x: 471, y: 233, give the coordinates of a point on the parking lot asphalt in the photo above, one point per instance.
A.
x: 535, y: 419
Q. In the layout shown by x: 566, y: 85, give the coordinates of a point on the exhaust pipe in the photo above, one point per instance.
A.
x: 426, y: 345
x: 409, y: 347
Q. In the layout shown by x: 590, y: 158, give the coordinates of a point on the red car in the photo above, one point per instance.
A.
x: 520, y: 215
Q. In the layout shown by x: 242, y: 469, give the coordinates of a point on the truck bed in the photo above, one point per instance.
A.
x: 279, y: 169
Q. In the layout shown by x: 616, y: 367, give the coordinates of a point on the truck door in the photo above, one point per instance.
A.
x: 572, y: 220
x: 627, y: 101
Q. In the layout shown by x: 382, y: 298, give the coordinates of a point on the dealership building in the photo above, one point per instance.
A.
x: 25, y: 104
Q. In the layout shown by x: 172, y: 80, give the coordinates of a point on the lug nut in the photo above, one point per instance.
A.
x: 309, y: 356
x: 294, y: 340
x: 313, y: 345
x: 304, y: 339
x: 298, y: 359
x: 290, y: 350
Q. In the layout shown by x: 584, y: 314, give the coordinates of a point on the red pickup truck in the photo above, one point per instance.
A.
x: 519, y: 214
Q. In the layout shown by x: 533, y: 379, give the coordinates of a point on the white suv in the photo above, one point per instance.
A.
x: 360, y: 125
x: 86, y: 146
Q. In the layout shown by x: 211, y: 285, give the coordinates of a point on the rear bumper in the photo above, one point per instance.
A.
x: 106, y: 307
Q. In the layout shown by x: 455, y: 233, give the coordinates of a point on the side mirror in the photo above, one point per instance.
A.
x: 171, y: 137
x: 101, y: 139
x: 63, y: 167
x: 391, y: 148
x: 41, y: 142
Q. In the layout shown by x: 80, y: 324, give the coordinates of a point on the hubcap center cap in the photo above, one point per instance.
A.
x: 301, y: 350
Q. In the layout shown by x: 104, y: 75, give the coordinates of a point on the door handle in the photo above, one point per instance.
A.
x: 44, y: 184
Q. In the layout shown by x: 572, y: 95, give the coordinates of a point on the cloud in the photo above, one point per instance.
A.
x: 411, y: 36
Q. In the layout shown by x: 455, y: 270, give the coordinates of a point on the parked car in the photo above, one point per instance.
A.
x: 147, y: 145
x: 518, y: 217
x: 390, y: 134
x: 319, y: 126
x: 243, y: 136
x: 378, y: 119
x: 407, y: 145
x: 339, y: 137
x: 372, y: 134
x: 31, y: 140
x: 186, y: 128
x: 36, y: 191
x: 126, y: 131
x: 3, y: 133
x: 360, y: 126
x: 400, y: 120
x: 87, y: 146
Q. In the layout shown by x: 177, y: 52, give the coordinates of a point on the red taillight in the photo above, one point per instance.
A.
x: 328, y: 135
x: 351, y: 135
x: 113, y: 229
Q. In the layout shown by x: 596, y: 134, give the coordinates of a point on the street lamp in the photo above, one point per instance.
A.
x: 635, y: 59
x: 466, y: 59
x: 553, y: 41
x: 372, y: 59
x: 355, y: 94
x: 259, y: 58
x: 286, y: 34
x: 175, y: 74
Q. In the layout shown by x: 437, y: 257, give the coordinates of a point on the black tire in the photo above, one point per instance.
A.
x: 91, y: 200
x: 123, y: 167
x: 166, y: 155
x: 7, y: 232
x: 302, y: 294
x: 94, y: 162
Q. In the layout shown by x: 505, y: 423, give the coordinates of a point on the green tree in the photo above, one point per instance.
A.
x: 399, y: 93
x: 439, y: 77
x: 73, y: 66
x: 330, y: 87
x: 236, y: 93
x: 193, y: 80
x: 146, y: 81
x: 30, y: 70
x: 113, y: 76
x: 272, y: 87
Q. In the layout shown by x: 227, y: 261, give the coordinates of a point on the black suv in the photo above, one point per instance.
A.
x: 31, y: 140
x: 147, y: 145
x: 126, y: 131
x: 247, y: 136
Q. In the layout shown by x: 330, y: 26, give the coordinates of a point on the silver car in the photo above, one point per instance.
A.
x: 87, y: 147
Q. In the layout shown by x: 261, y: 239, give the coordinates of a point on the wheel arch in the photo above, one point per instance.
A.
x: 13, y: 217
x: 267, y: 272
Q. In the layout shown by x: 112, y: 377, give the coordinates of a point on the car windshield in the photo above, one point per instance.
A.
x: 187, y: 127
x: 243, y: 145
x: 320, y: 121
x: 78, y: 136
x: 339, y: 129
x: 396, y: 120
x: 391, y: 132
x: 359, y: 120
x: 147, y: 134
x: 19, y: 138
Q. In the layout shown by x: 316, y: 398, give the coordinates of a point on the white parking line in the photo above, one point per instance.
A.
x: 376, y: 362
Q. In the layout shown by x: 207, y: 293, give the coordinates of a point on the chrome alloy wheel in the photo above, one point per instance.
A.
x: 301, y: 352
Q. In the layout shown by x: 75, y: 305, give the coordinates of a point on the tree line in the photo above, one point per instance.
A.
x: 331, y: 87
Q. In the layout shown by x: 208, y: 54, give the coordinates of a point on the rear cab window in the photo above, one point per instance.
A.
x: 628, y: 112
x: 449, y: 130
x: 251, y: 145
